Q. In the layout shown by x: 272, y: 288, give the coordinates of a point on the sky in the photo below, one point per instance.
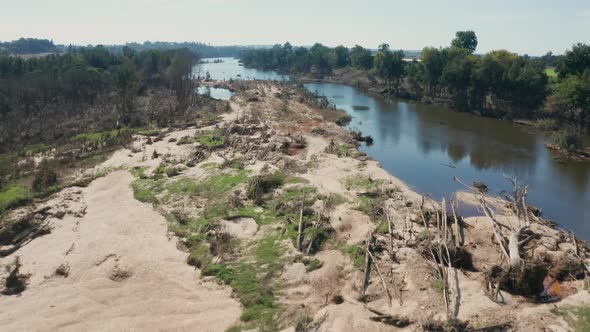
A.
x: 522, y: 26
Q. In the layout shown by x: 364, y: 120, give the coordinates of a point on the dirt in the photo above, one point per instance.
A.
x: 109, y: 262
x: 125, y: 273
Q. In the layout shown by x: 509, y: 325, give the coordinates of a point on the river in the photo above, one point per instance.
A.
x: 427, y: 145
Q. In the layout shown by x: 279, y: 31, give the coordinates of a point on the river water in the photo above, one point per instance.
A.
x: 427, y: 145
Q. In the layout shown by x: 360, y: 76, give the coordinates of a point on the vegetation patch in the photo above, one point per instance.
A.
x: 355, y: 252
x: 252, y: 282
x: 577, y: 317
x: 358, y: 183
x: 342, y: 150
x: 14, y: 195
x: 360, y: 107
x: 211, y: 139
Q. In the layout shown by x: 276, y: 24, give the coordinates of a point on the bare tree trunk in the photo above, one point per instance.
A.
x: 300, y: 230
x: 368, y: 262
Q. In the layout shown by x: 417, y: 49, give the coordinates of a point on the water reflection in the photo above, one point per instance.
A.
x: 215, y: 93
x: 418, y: 143
x: 230, y: 68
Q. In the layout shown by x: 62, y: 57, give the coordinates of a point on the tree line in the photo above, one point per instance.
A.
x: 28, y: 46
x: 38, y: 91
x: 499, y: 83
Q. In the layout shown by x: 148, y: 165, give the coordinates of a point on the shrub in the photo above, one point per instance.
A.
x: 262, y: 184
x: 547, y: 124
x: 343, y: 120
x: 569, y: 139
x: 45, y: 177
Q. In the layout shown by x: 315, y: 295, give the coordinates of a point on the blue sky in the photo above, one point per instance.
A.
x: 523, y: 26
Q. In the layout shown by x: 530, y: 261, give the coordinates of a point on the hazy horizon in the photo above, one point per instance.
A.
x: 527, y: 27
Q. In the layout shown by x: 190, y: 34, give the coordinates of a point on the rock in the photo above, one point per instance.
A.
x: 405, y: 253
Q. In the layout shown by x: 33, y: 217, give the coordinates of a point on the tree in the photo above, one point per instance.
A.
x: 575, y: 61
x: 342, y: 56
x: 389, y: 66
x: 466, y: 40
x: 180, y: 74
x: 127, y: 80
x: 361, y: 58
x: 571, y: 99
x: 432, y: 61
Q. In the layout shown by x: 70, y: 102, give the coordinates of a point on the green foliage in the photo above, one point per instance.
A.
x: 45, y: 177
x: 575, y: 61
x: 355, y: 252
x: 68, y: 85
x: 466, y: 40
x: 148, y: 132
x: 389, y: 65
x: 569, y: 139
x: 147, y: 190
x: 547, y: 124
x: 263, y: 184
x: 577, y: 317
x: 211, y: 139
x: 359, y: 183
x: 313, y: 264
x: 14, y: 195
x: 213, y: 186
x: 361, y: 58
x: 571, y: 99
x: 343, y: 120
x: 251, y: 282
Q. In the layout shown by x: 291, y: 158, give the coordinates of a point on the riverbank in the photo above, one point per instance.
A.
x: 274, y: 201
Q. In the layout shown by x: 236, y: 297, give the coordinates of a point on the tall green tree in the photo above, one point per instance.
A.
x: 575, y: 61
x: 361, y: 58
x: 342, y: 54
x: 389, y: 66
x: 466, y: 40
x: 432, y: 61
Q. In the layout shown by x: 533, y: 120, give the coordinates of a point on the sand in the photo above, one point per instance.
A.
x: 125, y: 273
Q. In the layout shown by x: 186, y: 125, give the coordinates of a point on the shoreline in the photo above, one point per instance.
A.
x: 300, y: 243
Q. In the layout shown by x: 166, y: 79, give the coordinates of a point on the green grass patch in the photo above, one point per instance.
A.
x: 355, y: 252
x: 148, y: 132
x: 14, y: 195
x: 551, y: 72
x: 211, y: 139
x: 210, y: 166
x: 212, y: 187
x: 342, y: 150
x: 147, y: 190
x: 359, y: 183
x: 577, y: 317
x: 313, y: 264
x: 252, y: 283
x: 32, y: 150
x: 295, y: 180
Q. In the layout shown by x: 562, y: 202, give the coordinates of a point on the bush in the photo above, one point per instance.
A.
x: 262, y: 184
x: 547, y: 124
x: 569, y: 139
x: 45, y: 177
x: 343, y: 120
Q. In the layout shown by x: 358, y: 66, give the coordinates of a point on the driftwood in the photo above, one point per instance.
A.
x: 300, y: 229
x: 368, y: 262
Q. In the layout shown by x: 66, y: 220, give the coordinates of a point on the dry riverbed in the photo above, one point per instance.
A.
x: 263, y: 220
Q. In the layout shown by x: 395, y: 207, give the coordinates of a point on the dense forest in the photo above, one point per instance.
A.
x: 555, y: 90
x: 28, y: 46
x: 88, y: 89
